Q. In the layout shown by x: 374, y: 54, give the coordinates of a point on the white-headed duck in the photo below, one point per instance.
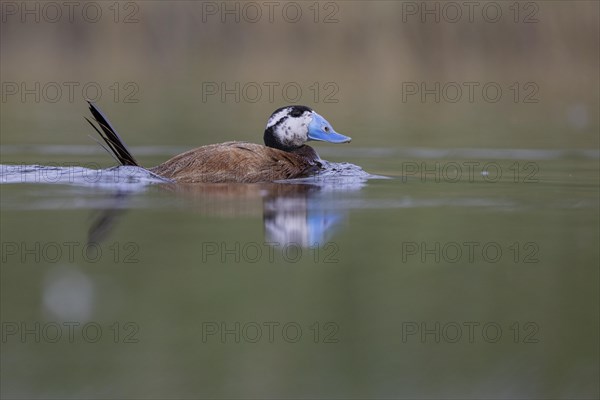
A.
x: 284, y: 156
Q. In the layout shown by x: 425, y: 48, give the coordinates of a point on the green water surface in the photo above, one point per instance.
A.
x: 406, y: 292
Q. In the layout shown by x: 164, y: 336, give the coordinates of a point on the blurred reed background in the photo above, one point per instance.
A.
x: 172, y: 50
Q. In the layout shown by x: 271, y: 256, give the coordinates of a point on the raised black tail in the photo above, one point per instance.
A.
x: 116, y: 146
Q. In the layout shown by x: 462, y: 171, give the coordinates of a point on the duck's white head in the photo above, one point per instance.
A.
x: 290, y: 127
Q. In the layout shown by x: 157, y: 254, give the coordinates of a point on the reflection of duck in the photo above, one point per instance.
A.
x: 298, y: 219
x: 292, y: 213
x: 284, y: 156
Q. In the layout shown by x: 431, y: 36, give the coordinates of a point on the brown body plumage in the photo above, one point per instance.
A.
x: 239, y: 162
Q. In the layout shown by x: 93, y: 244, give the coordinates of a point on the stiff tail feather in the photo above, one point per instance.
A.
x: 116, y: 146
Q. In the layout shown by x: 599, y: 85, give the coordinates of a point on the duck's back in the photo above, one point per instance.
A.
x: 238, y: 162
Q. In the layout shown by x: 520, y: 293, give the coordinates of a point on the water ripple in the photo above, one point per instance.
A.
x: 126, y: 178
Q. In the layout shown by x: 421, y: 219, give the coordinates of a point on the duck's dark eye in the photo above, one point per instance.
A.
x: 296, y: 113
x: 326, y: 129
